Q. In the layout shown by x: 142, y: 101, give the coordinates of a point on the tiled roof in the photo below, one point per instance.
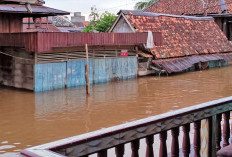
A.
x: 60, y: 21
x: 182, y: 36
x: 189, y: 7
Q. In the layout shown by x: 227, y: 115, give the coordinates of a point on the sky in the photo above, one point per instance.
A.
x: 84, y: 6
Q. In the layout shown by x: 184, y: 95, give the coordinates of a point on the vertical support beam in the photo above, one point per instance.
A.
x: 137, y: 56
x: 186, y: 140
x: 150, y: 141
x: 29, y: 22
x: 163, y: 145
x: 175, y: 142
x: 47, y: 24
x: 226, y: 129
x: 87, y: 70
x: 224, y: 26
x: 120, y: 150
x: 135, y: 148
x: 93, y: 65
x: 197, y: 138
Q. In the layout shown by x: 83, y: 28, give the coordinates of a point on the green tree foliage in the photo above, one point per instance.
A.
x: 105, y: 22
x: 89, y: 29
x: 100, y: 23
x: 143, y: 4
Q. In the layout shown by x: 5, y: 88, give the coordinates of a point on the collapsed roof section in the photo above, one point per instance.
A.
x: 182, y: 35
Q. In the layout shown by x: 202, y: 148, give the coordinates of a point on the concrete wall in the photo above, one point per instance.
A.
x: 50, y: 76
x: 77, y: 17
x: 17, y: 71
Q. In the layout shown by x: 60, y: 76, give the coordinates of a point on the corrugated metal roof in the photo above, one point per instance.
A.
x: 24, y: 1
x: 180, y: 64
x: 36, y: 9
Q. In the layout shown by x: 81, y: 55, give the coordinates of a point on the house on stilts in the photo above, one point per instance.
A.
x: 220, y: 10
x: 42, y: 59
x: 189, y: 42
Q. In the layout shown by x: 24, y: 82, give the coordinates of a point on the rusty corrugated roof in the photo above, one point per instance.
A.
x: 180, y: 64
x: 189, y: 7
x: 182, y: 35
x: 36, y: 9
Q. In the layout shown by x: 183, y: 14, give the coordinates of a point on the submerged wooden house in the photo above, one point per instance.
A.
x: 41, y: 61
x: 188, y: 42
x: 220, y: 10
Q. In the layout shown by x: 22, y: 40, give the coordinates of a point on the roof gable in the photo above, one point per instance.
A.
x: 182, y: 35
x: 190, y: 7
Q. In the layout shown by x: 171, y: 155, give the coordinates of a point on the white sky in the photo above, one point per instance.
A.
x: 84, y: 6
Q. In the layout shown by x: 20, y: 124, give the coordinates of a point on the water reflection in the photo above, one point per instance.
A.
x: 29, y: 119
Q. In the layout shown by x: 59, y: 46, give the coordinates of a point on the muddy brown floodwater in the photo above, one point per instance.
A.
x: 28, y: 119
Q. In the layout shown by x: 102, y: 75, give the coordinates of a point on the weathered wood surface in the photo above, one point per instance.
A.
x: 112, y: 137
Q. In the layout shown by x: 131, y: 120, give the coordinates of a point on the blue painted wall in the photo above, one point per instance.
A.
x: 51, y: 76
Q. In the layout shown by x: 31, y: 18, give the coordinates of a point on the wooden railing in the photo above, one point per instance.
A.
x: 117, y: 137
x: 45, y: 42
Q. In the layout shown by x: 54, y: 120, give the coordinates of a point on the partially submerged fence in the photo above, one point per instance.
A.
x: 45, y: 42
x: 116, y: 137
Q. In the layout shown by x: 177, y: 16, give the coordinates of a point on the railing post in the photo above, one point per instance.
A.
x: 163, y: 145
x: 135, y: 148
x: 102, y: 153
x: 186, y: 140
x: 218, y: 131
x: 197, y: 138
x: 175, y: 142
x: 226, y: 129
x: 120, y: 150
x: 150, y: 141
x: 210, y: 132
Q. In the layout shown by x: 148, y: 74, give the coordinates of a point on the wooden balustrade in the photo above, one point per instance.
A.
x: 186, y: 140
x: 180, y: 121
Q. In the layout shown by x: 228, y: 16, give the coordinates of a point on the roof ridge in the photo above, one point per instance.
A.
x: 152, y: 14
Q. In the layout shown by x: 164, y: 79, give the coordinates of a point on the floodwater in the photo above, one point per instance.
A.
x: 28, y: 119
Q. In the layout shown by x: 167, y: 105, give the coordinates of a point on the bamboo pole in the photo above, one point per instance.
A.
x: 87, y: 70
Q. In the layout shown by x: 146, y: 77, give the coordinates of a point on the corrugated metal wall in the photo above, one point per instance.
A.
x: 45, y: 42
x: 49, y: 76
x: 10, y: 23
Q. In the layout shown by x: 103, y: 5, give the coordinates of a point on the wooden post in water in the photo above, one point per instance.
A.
x: 87, y: 70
